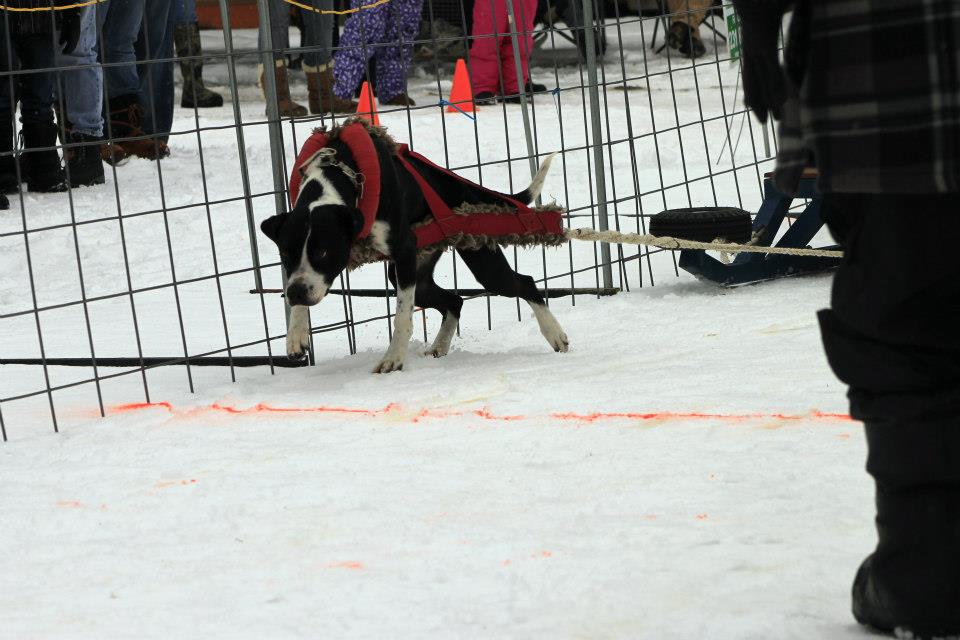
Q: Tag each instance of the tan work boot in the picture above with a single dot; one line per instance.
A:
(320, 88)
(285, 104)
(126, 119)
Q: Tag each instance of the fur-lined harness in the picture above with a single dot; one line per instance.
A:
(468, 226)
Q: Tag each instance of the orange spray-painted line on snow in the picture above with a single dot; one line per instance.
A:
(417, 415)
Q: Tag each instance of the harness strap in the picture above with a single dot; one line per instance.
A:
(528, 218)
(442, 214)
(367, 178)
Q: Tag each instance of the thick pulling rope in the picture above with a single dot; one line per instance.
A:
(75, 5)
(666, 242)
(344, 12)
(306, 7)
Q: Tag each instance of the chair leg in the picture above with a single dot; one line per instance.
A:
(714, 29)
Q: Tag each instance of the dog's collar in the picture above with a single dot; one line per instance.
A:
(327, 157)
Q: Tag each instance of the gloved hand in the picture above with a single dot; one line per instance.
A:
(69, 29)
(764, 88)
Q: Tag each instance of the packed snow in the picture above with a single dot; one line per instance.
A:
(685, 471)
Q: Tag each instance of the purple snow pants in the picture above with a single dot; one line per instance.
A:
(387, 31)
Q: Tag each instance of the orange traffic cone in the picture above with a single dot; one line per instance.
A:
(461, 94)
(367, 107)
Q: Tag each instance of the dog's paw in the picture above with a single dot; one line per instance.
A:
(558, 340)
(437, 351)
(298, 342)
(388, 364)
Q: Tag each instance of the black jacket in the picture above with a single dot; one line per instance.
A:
(878, 102)
(45, 20)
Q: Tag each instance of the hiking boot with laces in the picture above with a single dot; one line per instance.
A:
(126, 122)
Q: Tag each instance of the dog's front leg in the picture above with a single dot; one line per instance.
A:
(406, 267)
(298, 332)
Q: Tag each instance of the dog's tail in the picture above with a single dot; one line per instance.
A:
(530, 194)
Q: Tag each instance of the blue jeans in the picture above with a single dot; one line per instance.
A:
(156, 78)
(119, 22)
(186, 11)
(317, 31)
(82, 88)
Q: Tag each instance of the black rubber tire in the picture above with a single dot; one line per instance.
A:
(704, 224)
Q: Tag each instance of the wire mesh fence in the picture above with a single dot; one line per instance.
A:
(126, 291)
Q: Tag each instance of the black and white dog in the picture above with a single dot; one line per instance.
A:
(315, 241)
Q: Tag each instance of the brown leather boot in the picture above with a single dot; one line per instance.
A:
(322, 98)
(287, 107)
(126, 118)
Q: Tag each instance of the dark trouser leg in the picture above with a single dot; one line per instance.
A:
(891, 335)
(154, 44)
(9, 86)
(44, 172)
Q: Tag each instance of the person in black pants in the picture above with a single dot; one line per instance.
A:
(879, 118)
(29, 38)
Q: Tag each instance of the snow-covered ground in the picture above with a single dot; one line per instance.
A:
(686, 471)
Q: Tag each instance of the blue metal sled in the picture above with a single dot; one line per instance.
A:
(748, 268)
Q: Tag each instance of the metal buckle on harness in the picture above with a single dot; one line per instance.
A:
(327, 157)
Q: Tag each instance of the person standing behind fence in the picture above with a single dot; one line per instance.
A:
(386, 31)
(119, 26)
(154, 49)
(686, 16)
(80, 91)
(493, 71)
(870, 95)
(317, 44)
(186, 38)
(31, 39)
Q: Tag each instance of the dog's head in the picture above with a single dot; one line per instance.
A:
(315, 238)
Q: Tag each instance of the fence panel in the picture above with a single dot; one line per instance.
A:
(127, 291)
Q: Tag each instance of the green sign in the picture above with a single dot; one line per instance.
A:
(733, 32)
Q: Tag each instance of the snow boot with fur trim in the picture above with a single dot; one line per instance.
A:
(322, 99)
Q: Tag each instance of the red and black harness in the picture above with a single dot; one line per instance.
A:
(521, 225)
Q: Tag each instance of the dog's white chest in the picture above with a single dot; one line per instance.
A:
(378, 236)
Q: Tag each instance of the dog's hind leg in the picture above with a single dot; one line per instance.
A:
(431, 296)
(493, 272)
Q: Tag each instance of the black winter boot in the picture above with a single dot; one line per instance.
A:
(8, 168)
(195, 94)
(911, 583)
(84, 164)
(43, 171)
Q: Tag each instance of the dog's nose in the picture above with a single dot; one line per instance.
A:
(298, 293)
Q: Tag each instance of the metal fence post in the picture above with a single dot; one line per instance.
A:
(241, 143)
(515, 42)
(273, 124)
(589, 20)
(273, 109)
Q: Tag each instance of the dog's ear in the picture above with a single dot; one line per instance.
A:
(271, 226)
